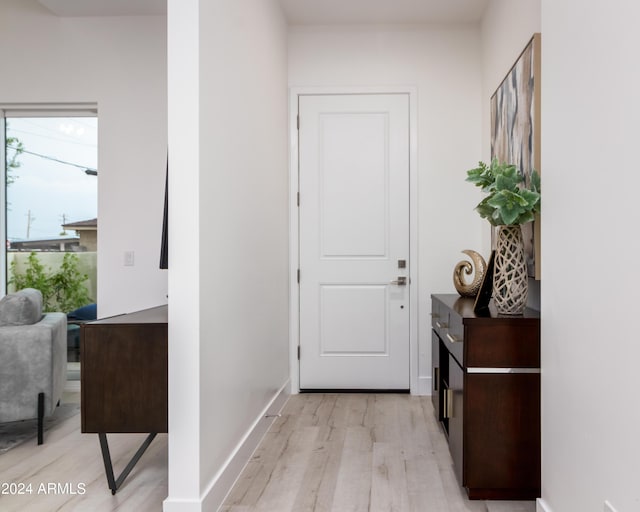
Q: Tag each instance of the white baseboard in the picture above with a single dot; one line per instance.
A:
(220, 485)
(541, 506)
(181, 506)
(425, 386)
(223, 481)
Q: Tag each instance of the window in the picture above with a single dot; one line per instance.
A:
(48, 196)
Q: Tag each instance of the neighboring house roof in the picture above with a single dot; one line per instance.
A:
(44, 239)
(43, 244)
(91, 224)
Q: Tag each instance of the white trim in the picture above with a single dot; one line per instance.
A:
(294, 240)
(171, 505)
(222, 482)
(425, 385)
(294, 311)
(503, 370)
(542, 506)
(29, 110)
(49, 109)
(3, 208)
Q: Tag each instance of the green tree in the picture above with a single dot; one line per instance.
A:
(14, 149)
(68, 285)
(33, 277)
(63, 290)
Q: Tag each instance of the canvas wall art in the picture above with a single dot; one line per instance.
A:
(515, 132)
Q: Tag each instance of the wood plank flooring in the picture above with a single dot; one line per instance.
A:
(355, 453)
(71, 458)
(327, 452)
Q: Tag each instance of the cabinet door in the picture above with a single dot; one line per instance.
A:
(124, 378)
(436, 387)
(502, 453)
(455, 412)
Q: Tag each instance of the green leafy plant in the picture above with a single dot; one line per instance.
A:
(62, 290)
(17, 148)
(508, 201)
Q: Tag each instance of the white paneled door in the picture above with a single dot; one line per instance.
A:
(354, 241)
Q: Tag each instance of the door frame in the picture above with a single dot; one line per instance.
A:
(294, 222)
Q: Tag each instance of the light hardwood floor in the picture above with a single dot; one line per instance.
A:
(326, 452)
(355, 452)
(70, 457)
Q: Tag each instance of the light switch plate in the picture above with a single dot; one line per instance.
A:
(129, 258)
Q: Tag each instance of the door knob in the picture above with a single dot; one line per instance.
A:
(401, 281)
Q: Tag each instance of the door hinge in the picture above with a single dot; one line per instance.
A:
(298, 122)
(298, 352)
(298, 199)
(298, 276)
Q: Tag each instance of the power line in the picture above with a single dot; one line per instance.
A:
(84, 167)
(48, 128)
(81, 120)
(66, 141)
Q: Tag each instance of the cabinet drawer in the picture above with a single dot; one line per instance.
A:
(504, 344)
(439, 318)
(453, 338)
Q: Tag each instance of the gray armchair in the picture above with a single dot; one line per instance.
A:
(33, 358)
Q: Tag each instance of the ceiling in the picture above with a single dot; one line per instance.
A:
(303, 12)
(106, 7)
(309, 12)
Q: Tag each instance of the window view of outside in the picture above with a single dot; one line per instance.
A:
(51, 210)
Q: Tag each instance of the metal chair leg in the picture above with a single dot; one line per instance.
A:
(40, 418)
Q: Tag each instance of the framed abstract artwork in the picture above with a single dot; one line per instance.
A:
(515, 132)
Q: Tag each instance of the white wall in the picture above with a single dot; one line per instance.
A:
(47, 59)
(183, 56)
(590, 352)
(507, 27)
(228, 328)
(443, 64)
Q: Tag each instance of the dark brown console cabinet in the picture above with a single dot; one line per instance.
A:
(124, 388)
(486, 394)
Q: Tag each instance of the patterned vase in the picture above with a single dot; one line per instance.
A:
(510, 280)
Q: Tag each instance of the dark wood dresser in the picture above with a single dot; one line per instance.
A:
(124, 374)
(486, 394)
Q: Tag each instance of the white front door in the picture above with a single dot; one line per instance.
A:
(354, 241)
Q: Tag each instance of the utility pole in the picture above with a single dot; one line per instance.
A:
(64, 221)
(30, 219)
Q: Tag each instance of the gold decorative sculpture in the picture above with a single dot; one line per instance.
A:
(478, 269)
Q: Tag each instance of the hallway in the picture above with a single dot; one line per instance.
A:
(355, 452)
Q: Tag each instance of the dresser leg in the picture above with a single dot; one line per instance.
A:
(114, 484)
(40, 418)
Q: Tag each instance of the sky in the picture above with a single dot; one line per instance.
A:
(46, 193)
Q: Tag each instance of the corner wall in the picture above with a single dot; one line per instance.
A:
(442, 63)
(507, 27)
(228, 315)
(590, 352)
(47, 59)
